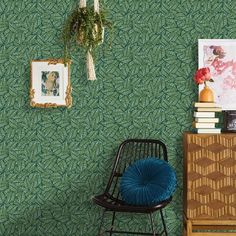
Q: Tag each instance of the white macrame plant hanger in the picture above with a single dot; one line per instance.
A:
(89, 58)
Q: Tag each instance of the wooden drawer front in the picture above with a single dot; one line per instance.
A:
(211, 176)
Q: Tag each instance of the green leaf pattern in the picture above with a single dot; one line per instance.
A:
(52, 161)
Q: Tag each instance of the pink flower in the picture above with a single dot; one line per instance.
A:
(202, 75)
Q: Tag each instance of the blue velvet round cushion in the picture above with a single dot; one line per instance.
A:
(147, 182)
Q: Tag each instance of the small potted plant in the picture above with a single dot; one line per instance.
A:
(85, 28)
(202, 76)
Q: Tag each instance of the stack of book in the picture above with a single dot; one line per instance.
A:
(205, 120)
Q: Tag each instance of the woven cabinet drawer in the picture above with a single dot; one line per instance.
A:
(210, 176)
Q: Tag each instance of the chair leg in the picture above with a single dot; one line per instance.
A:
(152, 224)
(100, 233)
(163, 222)
(112, 223)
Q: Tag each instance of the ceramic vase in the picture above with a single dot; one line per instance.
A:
(206, 95)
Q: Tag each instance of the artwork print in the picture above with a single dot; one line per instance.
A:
(50, 84)
(230, 121)
(220, 56)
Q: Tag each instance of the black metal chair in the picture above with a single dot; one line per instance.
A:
(128, 152)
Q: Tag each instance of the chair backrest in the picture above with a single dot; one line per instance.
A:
(129, 151)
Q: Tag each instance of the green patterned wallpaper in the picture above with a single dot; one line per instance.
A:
(52, 161)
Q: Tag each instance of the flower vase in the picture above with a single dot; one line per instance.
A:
(206, 95)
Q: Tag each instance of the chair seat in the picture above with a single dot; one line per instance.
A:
(113, 204)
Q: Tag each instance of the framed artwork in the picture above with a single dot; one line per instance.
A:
(229, 121)
(220, 56)
(50, 84)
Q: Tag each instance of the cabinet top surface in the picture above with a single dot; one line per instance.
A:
(223, 133)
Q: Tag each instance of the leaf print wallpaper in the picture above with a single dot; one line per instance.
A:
(52, 161)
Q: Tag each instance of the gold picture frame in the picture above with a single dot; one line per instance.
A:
(50, 85)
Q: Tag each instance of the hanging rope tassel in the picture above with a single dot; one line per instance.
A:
(91, 74)
(90, 67)
(90, 63)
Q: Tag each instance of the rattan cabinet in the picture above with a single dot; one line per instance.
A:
(209, 184)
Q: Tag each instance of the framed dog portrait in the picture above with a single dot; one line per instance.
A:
(50, 84)
(220, 56)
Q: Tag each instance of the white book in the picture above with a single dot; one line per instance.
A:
(209, 131)
(204, 114)
(205, 104)
(215, 109)
(203, 125)
(207, 120)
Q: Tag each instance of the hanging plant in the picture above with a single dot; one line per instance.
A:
(85, 28)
